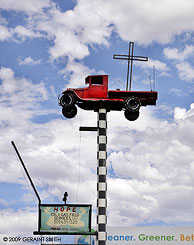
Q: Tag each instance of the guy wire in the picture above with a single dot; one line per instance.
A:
(150, 82)
(117, 80)
(154, 76)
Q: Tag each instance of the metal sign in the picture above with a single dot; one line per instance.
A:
(64, 219)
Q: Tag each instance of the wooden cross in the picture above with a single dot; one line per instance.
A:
(130, 57)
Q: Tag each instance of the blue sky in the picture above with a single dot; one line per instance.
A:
(49, 45)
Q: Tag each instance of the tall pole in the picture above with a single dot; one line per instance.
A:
(128, 67)
(101, 181)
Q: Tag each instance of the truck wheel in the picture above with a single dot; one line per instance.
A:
(131, 116)
(69, 113)
(132, 104)
(67, 100)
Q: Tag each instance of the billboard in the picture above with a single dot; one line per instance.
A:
(71, 219)
(150, 235)
(143, 235)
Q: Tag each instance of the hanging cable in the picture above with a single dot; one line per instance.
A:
(79, 168)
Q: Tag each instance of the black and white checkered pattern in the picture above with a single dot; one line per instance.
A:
(102, 173)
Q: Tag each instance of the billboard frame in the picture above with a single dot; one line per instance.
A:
(39, 232)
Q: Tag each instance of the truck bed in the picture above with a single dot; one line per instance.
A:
(146, 97)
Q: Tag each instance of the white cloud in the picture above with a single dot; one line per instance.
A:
(29, 7)
(179, 58)
(137, 160)
(185, 71)
(176, 54)
(179, 113)
(157, 66)
(20, 223)
(146, 22)
(83, 27)
(62, 46)
(3, 21)
(76, 73)
(135, 21)
(19, 102)
(28, 61)
(177, 92)
(172, 53)
(4, 33)
(4, 203)
(79, 27)
(20, 33)
(20, 90)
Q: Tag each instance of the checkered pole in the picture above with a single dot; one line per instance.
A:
(102, 172)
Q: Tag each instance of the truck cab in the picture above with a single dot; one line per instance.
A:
(98, 86)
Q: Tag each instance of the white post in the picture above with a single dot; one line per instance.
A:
(102, 174)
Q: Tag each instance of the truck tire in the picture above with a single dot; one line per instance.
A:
(70, 112)
(131, 116)
(67, 100)
(132, 104)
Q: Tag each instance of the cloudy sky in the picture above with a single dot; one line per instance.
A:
(49, 45)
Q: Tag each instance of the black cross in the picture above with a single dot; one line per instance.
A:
(130, 57)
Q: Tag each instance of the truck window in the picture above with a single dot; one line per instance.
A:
(87, 80)
(97, 80)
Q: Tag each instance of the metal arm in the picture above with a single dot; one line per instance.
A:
(26, 171)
